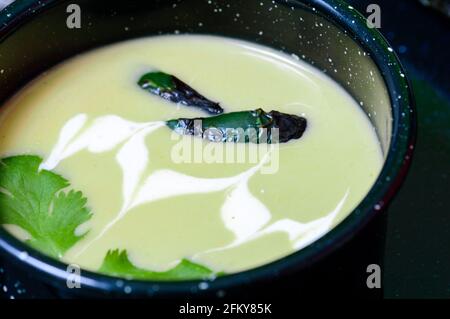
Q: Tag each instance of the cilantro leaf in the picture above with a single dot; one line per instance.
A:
(35, 200)
(116, 263)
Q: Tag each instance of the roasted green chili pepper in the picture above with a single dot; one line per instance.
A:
(243, 127)
(173, 89)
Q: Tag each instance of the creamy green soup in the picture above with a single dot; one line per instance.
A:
(160, 201)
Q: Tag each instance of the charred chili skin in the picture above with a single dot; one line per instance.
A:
(234, 127)
(171, 88)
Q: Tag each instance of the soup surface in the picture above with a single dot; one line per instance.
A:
(176, 206)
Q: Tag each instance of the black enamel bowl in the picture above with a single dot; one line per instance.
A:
(330, 35)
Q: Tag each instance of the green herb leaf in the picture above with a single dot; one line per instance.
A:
(243, 127)
(171, 88)
(116, 263)
(35, 200)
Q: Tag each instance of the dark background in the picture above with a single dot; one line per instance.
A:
(417, 252)
(415, 231)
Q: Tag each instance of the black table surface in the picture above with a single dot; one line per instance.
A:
(416, 259)
(417, 252)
